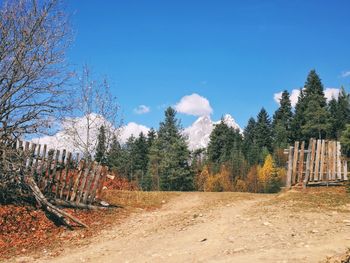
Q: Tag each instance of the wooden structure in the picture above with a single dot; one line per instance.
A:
(320, 164)
(62, 177)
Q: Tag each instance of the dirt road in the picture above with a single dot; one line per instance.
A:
(221, 227)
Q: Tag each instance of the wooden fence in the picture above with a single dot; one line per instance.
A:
(320, 164)
(60, 175)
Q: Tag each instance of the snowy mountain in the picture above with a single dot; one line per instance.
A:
(198, 134)
(72, 134)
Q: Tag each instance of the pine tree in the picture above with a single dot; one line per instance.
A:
(339, 111)
(282, 122)
(101, 148)
(116, 158)
(316, 118)
(174, 170)
(250, 147)
(345, 140)
(298, 118)
(263, 131)
(140, 158)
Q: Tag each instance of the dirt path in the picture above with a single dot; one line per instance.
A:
(214, 227)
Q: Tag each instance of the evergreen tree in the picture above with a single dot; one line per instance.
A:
(345, 140)
(101, 148)
(339, 111)
(282, 122)
(151, 136)
(263, 131)
(223, 139)
(316, 118)
(299, 118)
(116, 158)
(250, 147)
(140, 158)
(174, 170)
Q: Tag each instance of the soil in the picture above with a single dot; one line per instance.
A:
(295, 226)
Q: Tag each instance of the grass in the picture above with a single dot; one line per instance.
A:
(331, 198)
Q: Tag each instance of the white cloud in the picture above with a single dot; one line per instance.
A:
(345, 74)
(142, 109)
(132, 128)
(194, 105)
(293, 97)
(329, 93)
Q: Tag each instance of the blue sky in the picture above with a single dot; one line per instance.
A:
(237, 54)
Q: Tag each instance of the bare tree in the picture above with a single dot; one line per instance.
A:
(33, 39)
(95, 106)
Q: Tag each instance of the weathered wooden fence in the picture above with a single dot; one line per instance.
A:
(320, 164)
(62, 176)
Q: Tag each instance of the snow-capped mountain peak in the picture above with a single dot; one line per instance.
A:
(198, 134)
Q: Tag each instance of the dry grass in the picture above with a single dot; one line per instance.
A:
(138, 199)
(312, 199)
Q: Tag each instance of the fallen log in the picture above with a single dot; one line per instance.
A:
(59, 214)
(70, 204)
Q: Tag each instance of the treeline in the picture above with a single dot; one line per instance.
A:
(253, 161)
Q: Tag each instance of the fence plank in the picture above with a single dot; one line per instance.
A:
(317, 160)
(83, 182)
(334, 160)
(345, 170)
(54, 172)
(329, 161)
(91, 177)
(307, 165)
(76, 182)
(290, 167)
(301, 162)
(323, 146)
(65, 174)
(59, 174)
(338, 161)
(295, 161)
(36, 165)
(95, 185)
(312, 161)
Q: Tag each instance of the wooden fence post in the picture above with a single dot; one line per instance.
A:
(290, 167)
(308, 158)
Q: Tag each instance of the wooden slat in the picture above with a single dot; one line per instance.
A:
(312, 160)
(90, 179)
(83, 182)
(345, 170)
(101, 181)
(338, 161)
(54, 171)
(295, 161)
(59, 174)
(76, 181)
(334, 160)
(322, 160)
(65, 174)
(77, 166)
(290, 167)
(307, 165)
(301, 162)
(317, 160)
(42, 166)
(35, 166)
(329, 161)
(95, 185)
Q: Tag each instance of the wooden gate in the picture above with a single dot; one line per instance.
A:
(320, 164)
(62, 176)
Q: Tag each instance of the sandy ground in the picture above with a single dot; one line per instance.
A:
(220, 227)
